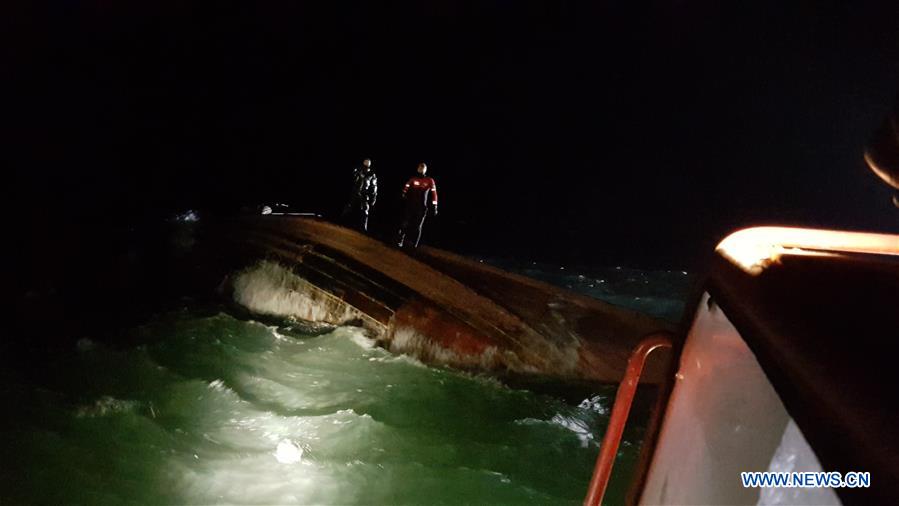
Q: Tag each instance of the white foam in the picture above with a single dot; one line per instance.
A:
(597, 404)
(357, 336)
(218, 385)
(407, 340)
(272, 289)
(575, 425)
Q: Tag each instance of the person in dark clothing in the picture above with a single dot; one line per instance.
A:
(419, 192)
(364, 196)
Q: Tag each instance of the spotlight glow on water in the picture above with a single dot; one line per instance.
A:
(288, 452)
(216, 410)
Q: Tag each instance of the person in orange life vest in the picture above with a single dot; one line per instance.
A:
(419, 192)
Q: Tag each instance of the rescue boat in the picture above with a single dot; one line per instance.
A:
(783, 367)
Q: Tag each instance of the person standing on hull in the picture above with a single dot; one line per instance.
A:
(420, 192)
(364, 196)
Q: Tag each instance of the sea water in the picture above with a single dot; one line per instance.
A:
(207, 408)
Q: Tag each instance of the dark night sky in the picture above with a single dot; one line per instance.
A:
(595, 131)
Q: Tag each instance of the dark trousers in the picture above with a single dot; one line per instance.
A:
(410, 229)
(356, 213)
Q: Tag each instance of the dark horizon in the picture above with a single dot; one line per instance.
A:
(584, 132)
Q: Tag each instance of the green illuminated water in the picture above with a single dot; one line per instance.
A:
(216, 410)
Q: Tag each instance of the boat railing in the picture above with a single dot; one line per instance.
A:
(620, 410)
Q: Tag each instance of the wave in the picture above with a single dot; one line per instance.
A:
(584, 421)
(269, 288)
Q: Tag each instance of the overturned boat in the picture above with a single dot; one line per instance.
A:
(434, 305)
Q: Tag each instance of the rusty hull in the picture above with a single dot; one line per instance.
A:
(445, 309)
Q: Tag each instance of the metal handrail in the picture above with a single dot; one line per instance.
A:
(620, 411)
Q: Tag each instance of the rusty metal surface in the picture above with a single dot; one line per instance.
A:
(445, 309)
(605, 333)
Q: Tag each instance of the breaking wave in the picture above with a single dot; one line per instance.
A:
(269, 288)
(217, 410)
